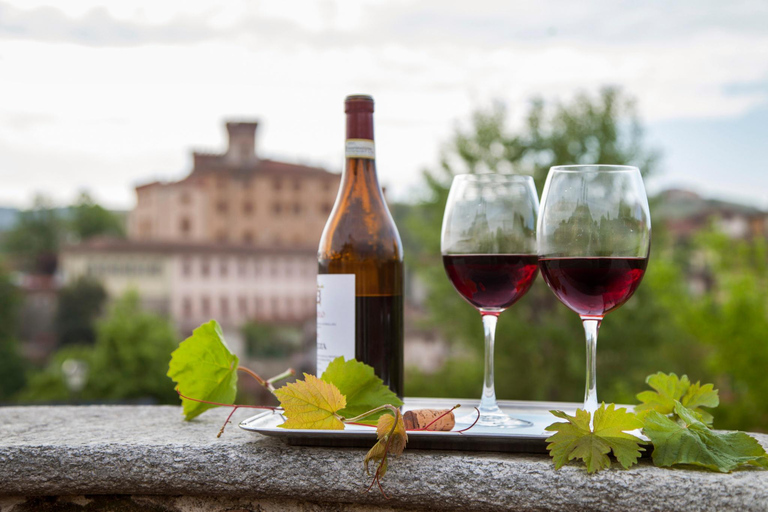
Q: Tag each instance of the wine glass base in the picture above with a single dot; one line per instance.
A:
(492, 419)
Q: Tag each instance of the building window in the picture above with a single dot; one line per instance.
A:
(327, 186)
(186, 267)
(275, 307)
(325, 208)
(221, 236)
(277, 184)
(296, 185)
(185, 226)
(289, 308)
(242, 306)
(184, 198)
(296, 208)
(223, 268)
(224, 307)
(277, 208)
(247, 207)
(273, 269)
(205, 268)
(288, 266)
(242, 268)
(221, 183)
(248, 238)
(258, 306)
(186, 308)
(257, 268)
(205, 306)
(222, 207)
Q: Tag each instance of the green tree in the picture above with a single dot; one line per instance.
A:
(80, 304)
(12, 365)
(88, 219)
(540, 343)
(128, 361)
(33, 242)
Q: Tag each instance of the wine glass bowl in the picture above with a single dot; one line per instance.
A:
(594, 239)
(488, 243)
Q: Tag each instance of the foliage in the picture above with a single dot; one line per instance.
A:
(127, 362)
(679, 436)
(363, 390)
(34, 240)
(12, 364)
(670, 390)
(131, 354)
(689, 441)
(88, 219)
(264, 341)
(577, 439)
(205, 368)
(311, 403)
(80, 304)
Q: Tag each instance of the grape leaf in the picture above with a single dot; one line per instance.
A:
(204, 368)
(690, 441)
(670, 388)
(576, 439)
(396, 444)
(311, 403)
(363, 390)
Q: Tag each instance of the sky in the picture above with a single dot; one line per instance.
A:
(103, 97)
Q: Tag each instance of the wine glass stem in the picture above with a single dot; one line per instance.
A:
(488, 401)
(591, 326)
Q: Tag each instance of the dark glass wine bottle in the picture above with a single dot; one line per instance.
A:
(360, 264)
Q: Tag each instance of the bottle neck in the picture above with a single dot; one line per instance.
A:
(360, 125)
(360, 169)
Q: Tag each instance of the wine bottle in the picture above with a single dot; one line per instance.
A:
(360, 263)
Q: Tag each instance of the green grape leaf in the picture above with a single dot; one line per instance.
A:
(670, 389)
(576, 440)
(204, 368)
(311, 403)
(690, 441)
(363, 390)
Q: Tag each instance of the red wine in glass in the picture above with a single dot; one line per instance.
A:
(593, 286)
(491, 281)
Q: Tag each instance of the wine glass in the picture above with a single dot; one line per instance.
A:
(488, 244)
(594, 238)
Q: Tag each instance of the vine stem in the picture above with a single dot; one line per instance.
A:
(234, 408)
(268, 384)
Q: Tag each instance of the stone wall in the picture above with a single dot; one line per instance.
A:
(146, 458)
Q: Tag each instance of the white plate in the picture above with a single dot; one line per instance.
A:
(529, 439)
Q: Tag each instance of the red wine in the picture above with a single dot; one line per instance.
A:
(491, 281)
(360, 264)
(593, 286)
(378, 321)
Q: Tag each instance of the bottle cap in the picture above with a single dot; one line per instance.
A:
(358, 103)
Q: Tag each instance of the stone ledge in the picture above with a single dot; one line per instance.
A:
(150, 454)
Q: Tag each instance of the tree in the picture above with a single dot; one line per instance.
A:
(12, 365)
(127, 363)
(80, 304)
(33, 242)
(88, 219)
(540, 352)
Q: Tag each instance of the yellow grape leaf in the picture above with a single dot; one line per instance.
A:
(311, 403)
(396, 443)
(399, 436)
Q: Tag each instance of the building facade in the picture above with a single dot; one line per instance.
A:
(237, 198)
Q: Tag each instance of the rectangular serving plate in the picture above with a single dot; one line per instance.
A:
(528, 439)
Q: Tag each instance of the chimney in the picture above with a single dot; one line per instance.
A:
(242, 142)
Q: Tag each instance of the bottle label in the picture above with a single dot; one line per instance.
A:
(335, 318)
(360, 148)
